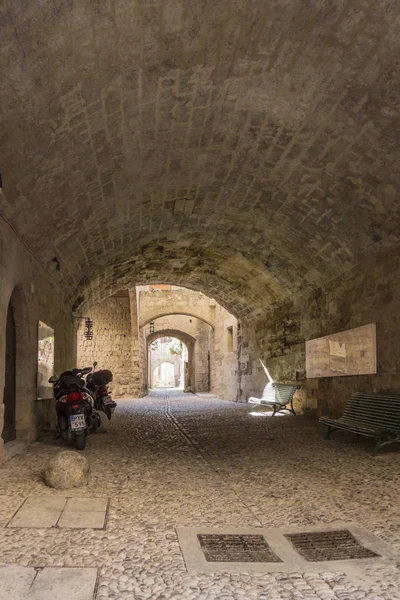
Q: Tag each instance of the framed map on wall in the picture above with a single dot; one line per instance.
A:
(351, 352)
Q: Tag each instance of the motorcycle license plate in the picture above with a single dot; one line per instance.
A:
(107, 400)
(77, 421)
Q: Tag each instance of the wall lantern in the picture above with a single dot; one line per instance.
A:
(88, 329)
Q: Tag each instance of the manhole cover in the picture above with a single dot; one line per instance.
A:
(329, 545)
(236, 548)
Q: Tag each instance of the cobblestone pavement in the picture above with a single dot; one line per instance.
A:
(176, 459)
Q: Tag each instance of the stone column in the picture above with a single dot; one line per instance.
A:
(139, 386)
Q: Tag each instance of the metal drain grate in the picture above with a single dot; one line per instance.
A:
(329, 545)
(236, 548)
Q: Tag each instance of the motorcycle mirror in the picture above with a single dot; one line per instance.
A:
(53, 379)
(95, 364)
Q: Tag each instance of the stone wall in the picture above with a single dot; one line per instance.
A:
(364, 295)
(111, 344)
(157, 303)
(143, 362)
(35, 296)
(138, 384)
(213, 365)
(197, 329)
(216, 365)
(224, 356)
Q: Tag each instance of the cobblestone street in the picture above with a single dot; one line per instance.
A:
(174, 459)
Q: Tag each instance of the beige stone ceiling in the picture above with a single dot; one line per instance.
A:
(246, 148)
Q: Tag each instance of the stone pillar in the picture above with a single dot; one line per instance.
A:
(139, 386)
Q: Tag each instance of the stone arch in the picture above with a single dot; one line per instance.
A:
(189, 342)
(23, 373)
(165, 313)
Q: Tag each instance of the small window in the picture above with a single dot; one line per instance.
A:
(229, 339)
(45, 364)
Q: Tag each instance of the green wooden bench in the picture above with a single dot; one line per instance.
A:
(373, 414)
(277, 396)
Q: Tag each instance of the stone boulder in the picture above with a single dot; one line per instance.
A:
(67, 469)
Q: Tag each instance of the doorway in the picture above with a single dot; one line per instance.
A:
(168, 361)
(9, 429)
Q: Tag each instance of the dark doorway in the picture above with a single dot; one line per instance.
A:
(9, 432)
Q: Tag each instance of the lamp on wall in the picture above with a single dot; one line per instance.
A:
(88, 329)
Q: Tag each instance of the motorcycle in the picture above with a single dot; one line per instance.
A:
(96, 382)
(76, 415)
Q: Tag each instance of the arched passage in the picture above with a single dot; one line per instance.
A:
(164, 375)
(188, 377)
(16, 398)
(9, 398)
(167, 313)
(116, 325)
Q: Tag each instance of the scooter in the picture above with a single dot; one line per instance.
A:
(96, 382)
(76, 415)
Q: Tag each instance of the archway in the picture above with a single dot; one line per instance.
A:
(168, 362)
(17, 389)
(164, 376)
(188, 375)
(9, 399)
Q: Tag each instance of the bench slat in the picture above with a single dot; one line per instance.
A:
(352, 424)
(277, 395)
(374, 414)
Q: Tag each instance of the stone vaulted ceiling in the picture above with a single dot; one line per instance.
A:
(249, 148)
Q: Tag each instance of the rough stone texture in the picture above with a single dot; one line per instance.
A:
(179, 301)
(249, 150)
(119, 345)
(195, 333)
(111, 344)
(224, 358)
(34, 296)
(138, 347)
(354, 300)
(66, 470)
(182, 461)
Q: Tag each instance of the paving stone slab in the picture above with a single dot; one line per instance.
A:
(39, 511)
(75, 513)
(15, 582)
(86, 504)
(63, 584)
(82, 519)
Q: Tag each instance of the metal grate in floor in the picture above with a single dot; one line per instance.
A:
(328, 545)
(236, 548)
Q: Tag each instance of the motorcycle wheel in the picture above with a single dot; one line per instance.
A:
(80, 441)
(64, 429)
(96, 423)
